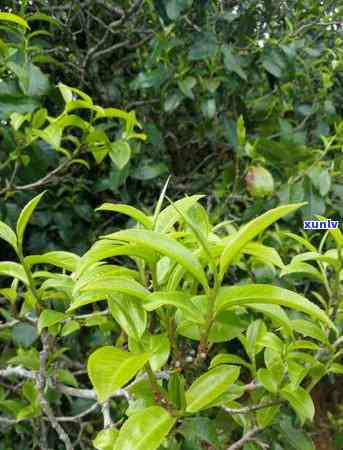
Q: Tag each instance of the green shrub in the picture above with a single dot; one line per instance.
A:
(186, 356)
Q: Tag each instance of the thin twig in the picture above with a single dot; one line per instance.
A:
(108, 422)
(78, 416)
(36, 184)
(113, 47)
(315, 23)
(41, 377)
(249, 409)
(248, 437)
(8, 324)
(18, 372)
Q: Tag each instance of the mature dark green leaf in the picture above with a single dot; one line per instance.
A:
(175, 7)
(24, 334)
(204, 46)
(232, 63)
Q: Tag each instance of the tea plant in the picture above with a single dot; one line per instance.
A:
(70, 134)
(165, 373)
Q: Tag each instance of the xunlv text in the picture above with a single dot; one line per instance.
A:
(320, 224)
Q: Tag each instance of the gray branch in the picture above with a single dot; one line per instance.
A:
(249, 409)
(248, 437)
(108, 422)
(41, 378)
(17, 372)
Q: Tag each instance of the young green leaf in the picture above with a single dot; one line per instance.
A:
(250, 231)
(309, 329)
(266, 416)
(267, 379)
(178, 299)
(106, 439)
(209, 386)
(70, 327)
(66, 377)
(271, 340)
(266, 254)
(275, 313)
(268, 294)
(336, 368)
(65, 260)
(256, 330)
(176, 390)
(110, 368)
(335, 233)
(301, 240)
(302, 268)
(14, 270)
(25, 215)
(8, 17)
(39, 16)
(129, 314)
(228, 358)
(145, 430)
(160, 202)
(130, 211)
(107, 249)
(198, 233)
(157, 345)
(8, 235)
(109, 285)
(86, 298)
(165, 246)
(48, 318)
(169, 216)
(296, 373)
(120, 153)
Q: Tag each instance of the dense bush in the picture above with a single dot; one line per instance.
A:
(219, 86)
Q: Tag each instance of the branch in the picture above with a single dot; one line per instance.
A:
(314, 23)
(36, 184)
(89, 393)
(248, 437)
(112, 8)
(94, 50)
(8, 324)
(134, 8)
(338, 342)
(41, 377)
(88, 316)
(252, 386)
(7, 421)
(18, 372)
(249, 409)
(108, 422)
(109, 49)
(78, 416)
(74, 392)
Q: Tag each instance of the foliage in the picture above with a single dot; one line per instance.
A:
(38, 149)
(168, 331)
(161, 294)
(222, 86)
(189, 69)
